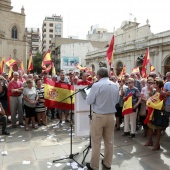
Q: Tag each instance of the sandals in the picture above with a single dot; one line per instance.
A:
(34, 127)
(26, 128)
(149, 144)
(155, 148)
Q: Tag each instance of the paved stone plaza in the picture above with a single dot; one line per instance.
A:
(36, 149)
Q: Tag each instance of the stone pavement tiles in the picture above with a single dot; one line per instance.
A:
(36, 150)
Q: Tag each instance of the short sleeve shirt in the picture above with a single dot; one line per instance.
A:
(135, 94)
(31, 95)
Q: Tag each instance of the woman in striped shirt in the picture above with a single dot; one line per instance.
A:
(40, 108)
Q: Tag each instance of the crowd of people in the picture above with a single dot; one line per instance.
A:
(22, 100)
(107, 101)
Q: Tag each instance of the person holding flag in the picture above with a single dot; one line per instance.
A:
(130, 118)
(155, 102)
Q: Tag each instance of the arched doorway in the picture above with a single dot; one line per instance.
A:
(119, 67)
(167, 65)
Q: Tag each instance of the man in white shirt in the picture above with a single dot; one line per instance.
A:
(103, 97)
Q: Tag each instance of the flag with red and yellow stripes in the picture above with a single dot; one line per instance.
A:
(10, 62)
(154, 102)
(136, 70)
(53, 69)
(127, 106)
(81, 68)
(123, 72)
(30, 63)
(55, 93)
(2, 65)
(146, 60)
(110, 51)
(152, 68)
(22, 67)
(47, 58)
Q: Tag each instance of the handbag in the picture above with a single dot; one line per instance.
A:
(160, 118)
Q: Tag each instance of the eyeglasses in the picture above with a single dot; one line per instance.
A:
(119, 81)
(128, 82)
(29, 82)
(149, 82)
(111, 79)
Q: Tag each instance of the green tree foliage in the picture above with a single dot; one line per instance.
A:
(37, 60)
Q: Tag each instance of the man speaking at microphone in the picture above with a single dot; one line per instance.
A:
(103, 97)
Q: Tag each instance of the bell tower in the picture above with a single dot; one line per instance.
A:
(5, 5)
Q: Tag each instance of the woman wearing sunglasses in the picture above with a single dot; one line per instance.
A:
(130, 119)
(146, 92)
(30, 97)
(159, 95)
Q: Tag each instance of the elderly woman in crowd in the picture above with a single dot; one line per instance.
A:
(40, 109)
(131, 118)
(30, 97)
(146, 93)
(143, 82)
(158, 85)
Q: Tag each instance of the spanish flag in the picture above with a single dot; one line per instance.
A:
(146, 60)
(152, 68)
(136, 70)
(48, 68)
(10, 62)
(154, 102)
(30, 63)
(123, 72)
(55, 93)
(110, 51)
(22, 67)
(47, 58)
(81, 68)
(127, 106)
(53, 69)
(10, 72)
(2, 65)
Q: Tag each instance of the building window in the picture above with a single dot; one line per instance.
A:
(51, 30)
(51, 25)
(14, 32)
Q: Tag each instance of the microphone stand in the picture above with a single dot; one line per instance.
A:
(71, 156)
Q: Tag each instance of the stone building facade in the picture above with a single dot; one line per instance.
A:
(12, 32)
(131, 41)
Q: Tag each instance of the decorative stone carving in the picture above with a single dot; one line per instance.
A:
(147, 22)
(2, 34)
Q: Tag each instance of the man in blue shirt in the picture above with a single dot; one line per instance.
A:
(103, 97)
